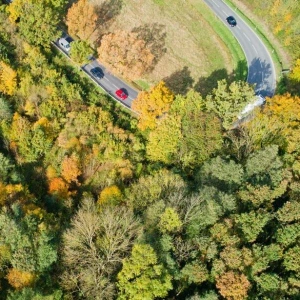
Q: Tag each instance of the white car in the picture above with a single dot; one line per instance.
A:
(64, 44)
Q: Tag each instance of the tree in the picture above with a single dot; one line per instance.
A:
(71, 168)
(233, 285)
(285, 110)
(291, 260)
(37, 20)
(152, 105)
(124, 53)
(186, 134)
(93, 248)
(252, 224)
(142, 277)
(80, 52)
(228, 100)
(82, 19)
(169, 221)
(110, 195)
(8, 79)
(164, 140)
(20, 279)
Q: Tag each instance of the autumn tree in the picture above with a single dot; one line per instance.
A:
(233, 285)
(110, 195)
(142, 277)
(124, 53)
(229, 100)
(152, 105)
(71, 168)
(186, 135)
(20, 279)
(285, 111)
(82, 19)
(8, 79)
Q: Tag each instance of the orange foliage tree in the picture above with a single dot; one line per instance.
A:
(125, 54)
(20, 279)
(8, 79)
(153, 104)
(58, 187)
(82, 19)
(70, 169)
(233, 286)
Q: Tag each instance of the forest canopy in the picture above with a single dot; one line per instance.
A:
(172, 203)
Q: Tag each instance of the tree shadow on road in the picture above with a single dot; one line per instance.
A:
(154, 36)
(180, 82)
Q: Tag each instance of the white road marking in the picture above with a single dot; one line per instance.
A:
(246, 36)
(224, 13)
(238, 26)
(254, 49)
(215, 3)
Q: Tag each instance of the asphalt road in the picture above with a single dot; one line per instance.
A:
(108, 82)
(261, 70)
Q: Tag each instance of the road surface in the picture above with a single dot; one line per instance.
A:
(108, 82)
(261, 70)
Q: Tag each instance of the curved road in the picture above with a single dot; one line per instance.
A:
(261, 70)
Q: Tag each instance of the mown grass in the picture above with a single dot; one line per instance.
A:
(258, 29)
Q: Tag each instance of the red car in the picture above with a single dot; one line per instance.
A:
(121, 94)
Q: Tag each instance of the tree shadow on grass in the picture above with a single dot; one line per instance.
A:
(206, 84)
(154, 36)
(180, 82)
(107, 13)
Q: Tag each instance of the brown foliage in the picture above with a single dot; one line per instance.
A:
(125, 54)
(20, 279)
(82, 19)
(233, 286)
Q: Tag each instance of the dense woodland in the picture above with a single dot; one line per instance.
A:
(97, 203)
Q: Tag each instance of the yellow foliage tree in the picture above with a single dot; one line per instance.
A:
(285, 110)
(82, 19)
(295, 74)
(8, 79)
(152, 105)
(110, 195)
(20, 279)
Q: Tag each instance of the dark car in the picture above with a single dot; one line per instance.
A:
(97, 72)
(231, 21)
(121, 93)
